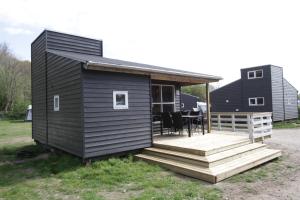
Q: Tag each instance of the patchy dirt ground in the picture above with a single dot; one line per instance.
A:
(279, 179)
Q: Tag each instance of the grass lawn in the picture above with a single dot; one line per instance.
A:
(287, 124)
(61, 176)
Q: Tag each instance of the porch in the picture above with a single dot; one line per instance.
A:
(211, 157)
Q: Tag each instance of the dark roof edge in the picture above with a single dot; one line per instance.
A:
(225, 85)
(267, 65)
(146, 69)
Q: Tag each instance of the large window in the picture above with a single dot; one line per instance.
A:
(255, 74)
(163, 98)
(256, 101)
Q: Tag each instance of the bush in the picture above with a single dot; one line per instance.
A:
(19, 111)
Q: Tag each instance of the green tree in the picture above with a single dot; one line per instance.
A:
(197, 90)
(15, 82)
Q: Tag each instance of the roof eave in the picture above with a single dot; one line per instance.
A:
(155, 74)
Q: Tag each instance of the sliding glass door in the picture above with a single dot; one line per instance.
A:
(163, 98)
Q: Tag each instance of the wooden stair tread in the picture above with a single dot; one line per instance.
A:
(244, 160)
(176, 163)
(203, 151)
(210, 158)
(177, 154)
(216, 173)
(234, 151)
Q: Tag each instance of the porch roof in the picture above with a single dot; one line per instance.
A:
(156, 73)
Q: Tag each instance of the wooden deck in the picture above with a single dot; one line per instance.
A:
(211, 157)
(202, 144)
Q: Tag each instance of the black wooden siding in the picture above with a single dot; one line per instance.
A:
(290, 101)
(231, 92)
(64, 126)
(75, 44)
(110, 131)
(259, 87)
(189, 101)
(38, 88)
(63, 78)
(277, 93)
(280, 96)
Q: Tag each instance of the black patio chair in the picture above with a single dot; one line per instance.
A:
(185, 112)
(197, 121)
(177, 122)
(167, 121)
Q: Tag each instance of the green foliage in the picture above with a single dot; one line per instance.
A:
(197, 90)
(15, 83)
(62, 176)
(287, 124)
(19, 110)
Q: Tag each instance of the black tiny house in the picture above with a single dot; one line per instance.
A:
(188, 101)
(91, 106)
(260, 89)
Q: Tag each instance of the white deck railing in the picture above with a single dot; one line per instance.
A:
(256, 124)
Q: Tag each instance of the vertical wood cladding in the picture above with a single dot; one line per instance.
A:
(38, 88)
(110, 131)
(64, 126)
(277, 93)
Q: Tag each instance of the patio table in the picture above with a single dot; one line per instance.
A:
(190, 118)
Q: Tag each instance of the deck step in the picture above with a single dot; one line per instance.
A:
(216, 173)
(205, 161)
(244, 163)
(199, 152)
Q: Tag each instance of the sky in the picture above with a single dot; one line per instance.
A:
(211, 37)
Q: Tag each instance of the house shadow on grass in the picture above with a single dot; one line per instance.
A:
(20, 164)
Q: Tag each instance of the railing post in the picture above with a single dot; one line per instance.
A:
(250, 127)
(208, 109)
(219, 122)
(233, 122)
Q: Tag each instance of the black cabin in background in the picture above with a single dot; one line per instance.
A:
(188, 101)
(260, 89)
(91, 106)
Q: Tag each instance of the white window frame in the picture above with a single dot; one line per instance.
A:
(56, 107)
(119, 107)
(161, 97)
(255, 76)
(255, 98)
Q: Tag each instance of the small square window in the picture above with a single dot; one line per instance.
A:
(252, 101)
(120, 99)
(251, 74)
(259, 74)
(255, 74)
(260, 101)
(56, 103)
(256, 101)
